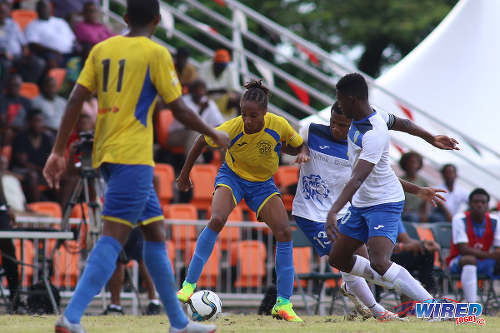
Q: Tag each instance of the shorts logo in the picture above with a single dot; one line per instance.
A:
(314, 188)
(346, 217)
(264, 147)
(380, 226)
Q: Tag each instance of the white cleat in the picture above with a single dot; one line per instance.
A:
(389, 316)
(193, 327)
(360, 307)
(64, 326)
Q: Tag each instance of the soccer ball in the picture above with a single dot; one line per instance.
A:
(204, 305)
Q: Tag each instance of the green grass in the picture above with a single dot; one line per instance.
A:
(239, 323)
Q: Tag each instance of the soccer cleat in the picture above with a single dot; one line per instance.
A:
(360, 307)
(64, 326)
(152, 309)
(193, 327)
(284, 310)
(113, 311)
(186, 291)
(389, 316)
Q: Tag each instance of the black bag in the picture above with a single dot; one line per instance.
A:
(39, 299)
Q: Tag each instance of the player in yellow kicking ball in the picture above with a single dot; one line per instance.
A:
(252, 158)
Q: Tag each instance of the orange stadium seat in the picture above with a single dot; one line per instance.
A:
(66, 265)
(211, 271)
(182, 234)
(29, 90)
(302, 262)
(426, 234)
(230, 235)
(203, 178)
(285, 176)
(59, 74)
(169, 245)
(23, 17)
(165, 119)
(166, 175)
(47, 208)
(28, 256)
(251, 256)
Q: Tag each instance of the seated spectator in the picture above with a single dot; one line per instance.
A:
(16, 200)
(415, 209)
(91, 31)
(13, 108)
(221, 78)
(198, 101)
(13, 50)
(30, 151)
(187, 72)
(51, 105)
(65, 8)
(455, 198)
(50, 37)
(475, 233)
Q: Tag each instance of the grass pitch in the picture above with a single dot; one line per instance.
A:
(241, 323)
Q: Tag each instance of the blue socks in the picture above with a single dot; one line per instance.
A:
(100, 266)
(204, 248)
(285, 272)
(156, 260)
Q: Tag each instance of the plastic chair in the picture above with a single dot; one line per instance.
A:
(23, 17)
(411, 230)
(66, 265)
(29, 90)
(203, 178)
(28, 257)
(285, 176)
(165, 119)
(251, 256)
(211, 271)
(231, 235)
(182, 234)
(426, 234)
(58, 74)
(169, 245)
(166, 175)
(302, 262)
(46, 207)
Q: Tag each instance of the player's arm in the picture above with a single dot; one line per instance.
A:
(430, 194)
(465, 249)
(293, 142)
(287, 149)
(56, 163)
(408, 126)
(183, 180)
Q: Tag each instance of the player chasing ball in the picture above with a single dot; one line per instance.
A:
(128, 72)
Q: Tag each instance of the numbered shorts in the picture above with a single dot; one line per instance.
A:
(366, 222)
(130, 197)
(315, 232)
(256, 194)
(484, 266)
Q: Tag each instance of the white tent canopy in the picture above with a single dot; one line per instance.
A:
(448, 85)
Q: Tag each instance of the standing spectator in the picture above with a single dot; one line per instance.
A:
(415, 209)
(65, 8)
(30, 151)
(50, 37)
(187, 72)
(51, 105)
(455, 198)
(13, 109)
(474, 232)
(91, 31)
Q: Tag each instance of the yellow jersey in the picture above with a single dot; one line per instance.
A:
(128, 73)
(255, 157)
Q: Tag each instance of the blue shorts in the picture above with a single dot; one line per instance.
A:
(256, 194)
(366, 222)
(484, 266)
(130, 198)
(133, 247)
(315, 232)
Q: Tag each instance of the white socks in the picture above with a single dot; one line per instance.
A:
(358, 286)
(406, 284)
(362, 268)
(469, 282)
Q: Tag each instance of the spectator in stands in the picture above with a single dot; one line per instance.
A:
(30, 150)
(50, 37)
(14, 52)
(133, 251)
(51, 105)
(221, 78)
(187, 72)
(13, 106)
(65, 8)
(16, 200)
(198, 101)
(475, 233)
(91, 31)
(415, 209)
(455, 198)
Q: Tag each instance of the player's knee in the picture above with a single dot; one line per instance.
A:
(283, 234)
(216, 223)
(380, 265)
(336, 261)
(468, 260)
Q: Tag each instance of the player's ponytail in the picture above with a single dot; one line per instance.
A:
(256, 92)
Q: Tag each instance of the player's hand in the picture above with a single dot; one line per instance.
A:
(184, 183)
(221, 139)
(331, 228)
(53, 170)
(431, 246)
(415, 247)
(432, 195)
(302, 158)
(444, 142)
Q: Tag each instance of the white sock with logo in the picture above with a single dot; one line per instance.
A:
(362, 268)
(358, 286)
(406, 284)
(469, 282)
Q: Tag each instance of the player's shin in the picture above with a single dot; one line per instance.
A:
(204, 248)
(363, 269)
(406, 284)
(284, 269)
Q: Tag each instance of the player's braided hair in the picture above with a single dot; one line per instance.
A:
(256, 92)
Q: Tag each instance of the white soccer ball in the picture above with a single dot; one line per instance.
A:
(204, 305)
